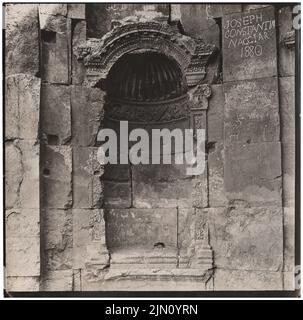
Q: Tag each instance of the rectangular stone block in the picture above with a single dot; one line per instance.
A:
(56, 177)
(216, 193)
(289, 239)
(55, 39)
(252, 111)
(88, 228)
(186, 232)
(86, 121)
(87, 186)
(22, 223)
(22, 106)
(252, 173)
(289, 174)
(57, 238)
(140, 228)
(78, 39)
(60, 280)
(76, 11)
(242, 280)
(286, 57)
(117, 172)
(218, 10)
(117, 194)
(215, 114)
(55, 114)
(245, 238)
(287, 109)
(163, 194)
(22, 256)
(21, 38)
(24, 284)
(53, 9)
(290, 282)
(249, 45)
(22, 174)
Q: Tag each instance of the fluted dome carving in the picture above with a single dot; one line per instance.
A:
(145, 76)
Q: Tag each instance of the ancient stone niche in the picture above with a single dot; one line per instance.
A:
(151, 74)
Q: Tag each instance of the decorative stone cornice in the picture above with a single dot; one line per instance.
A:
(148, 112)
(192, 55)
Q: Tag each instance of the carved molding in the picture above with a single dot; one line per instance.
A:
(148, 112)
(99, 55)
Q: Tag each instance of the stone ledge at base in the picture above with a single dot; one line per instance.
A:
(176, 274)
(150, 280)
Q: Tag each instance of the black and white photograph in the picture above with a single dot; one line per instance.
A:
(151, 148)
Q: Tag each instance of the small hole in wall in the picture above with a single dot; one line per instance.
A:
(48, 36)
(248, 141)
(159, 245)
(52, 139)
(46, 172)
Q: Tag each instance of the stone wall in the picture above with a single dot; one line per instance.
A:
(55, 227)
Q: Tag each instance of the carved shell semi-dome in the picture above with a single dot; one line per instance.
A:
(145, 76)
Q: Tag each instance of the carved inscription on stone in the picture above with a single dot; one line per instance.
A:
(249, 44)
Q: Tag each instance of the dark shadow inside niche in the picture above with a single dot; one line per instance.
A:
(145, 76)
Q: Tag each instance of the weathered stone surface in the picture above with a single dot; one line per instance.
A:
(290, 281)
(141, 228)
(252, 111)
(229, 280)
(76, 11)
(102, 17)
(55, 38)
(117, 172)
(117, 194)
(196, 20)
(289, 239)
(249, 45)
(22, 223)
(22, 174)
(186, 229)
(22, 105)
(250, 7)
(216, 191)
(218, 10)
(247, 238)
(286, 57)
(56, 114)
(162, 194)
(87, 186)
(24, 284)
(22, 256)
(86, 120)
(89, 230)
(56, 177)
(21, 37)
(252, 173)
(79, 38)
(59, 280)
(287, 109)
(58, 239)
(77, 281)
(53, 9)
(289, 174)
(215, 114)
